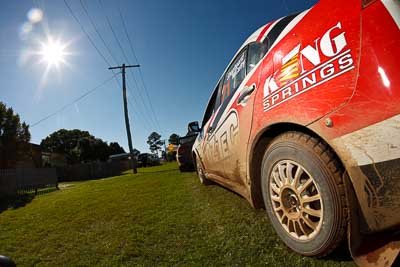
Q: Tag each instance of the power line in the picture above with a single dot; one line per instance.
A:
(140, 71)
(91, 40)
(126, 58)
(73, 102)
(130, 97)
(134, 55)
(87, 35)
(94, 45)
(149, 118)
(99, 35)
(114, 34)
(143, 119)
(99, 52)
(132, 108)
(127, 35)
(148, 99)
(97, 31)
(154, 120)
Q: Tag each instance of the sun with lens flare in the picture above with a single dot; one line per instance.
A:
(53, 52)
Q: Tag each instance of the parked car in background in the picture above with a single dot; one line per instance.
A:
(305, 121)
(184, 152)
(147, 160)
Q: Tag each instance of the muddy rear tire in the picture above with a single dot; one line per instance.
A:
(304, 193)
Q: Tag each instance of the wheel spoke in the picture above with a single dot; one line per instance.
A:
(305, 185)
(301, 227)
(281, 174)
(278, 182)
(275, 189)
(307, 199)
(276, 198)
(278, 208)
(298, 229)
(312, 212)
(297, 175)
(289, 175)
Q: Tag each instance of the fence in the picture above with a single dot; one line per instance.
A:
(13, 181)
(95, 170)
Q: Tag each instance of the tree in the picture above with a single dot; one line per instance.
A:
(115, 148)
(100, 150)
(14, 137)
(75, 144)
(79, 146)
(174, 139)
(154, 141)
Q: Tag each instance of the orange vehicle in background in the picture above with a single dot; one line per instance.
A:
(305, 122)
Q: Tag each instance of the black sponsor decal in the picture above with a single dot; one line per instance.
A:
(383, 187)
(277, 29)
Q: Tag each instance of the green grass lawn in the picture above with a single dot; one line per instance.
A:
(157, 217)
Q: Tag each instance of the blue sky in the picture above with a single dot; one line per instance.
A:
(182, 46)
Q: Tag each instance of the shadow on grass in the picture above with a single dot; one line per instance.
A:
(23, 198)
(212, 183)
(187, 169)
(15, 202)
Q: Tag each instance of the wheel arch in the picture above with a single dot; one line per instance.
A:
(256, 153)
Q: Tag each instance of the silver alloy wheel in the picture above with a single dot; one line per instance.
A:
(296, 200)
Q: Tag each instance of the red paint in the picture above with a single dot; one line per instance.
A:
(263, 31)
(373, 101)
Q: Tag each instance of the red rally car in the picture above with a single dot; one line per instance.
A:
(305, 122)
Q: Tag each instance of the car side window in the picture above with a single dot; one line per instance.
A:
(234, 76)
(218, 99)
(210, 107)
(255, 53)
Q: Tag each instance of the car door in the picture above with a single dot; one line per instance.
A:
(222, 129)
(242, 80)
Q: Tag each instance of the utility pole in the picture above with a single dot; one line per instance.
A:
(128, 129)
